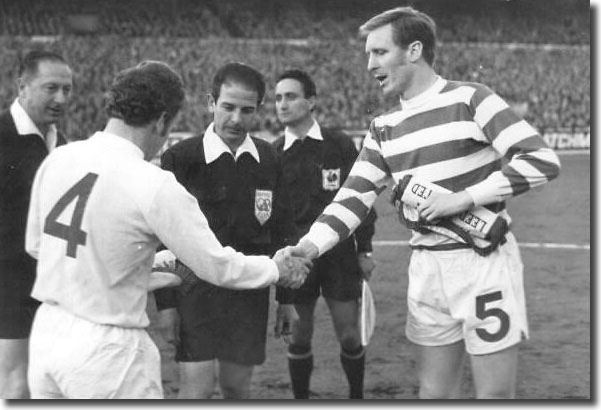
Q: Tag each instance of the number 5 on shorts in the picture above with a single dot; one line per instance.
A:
(71, 233)
(482, 313)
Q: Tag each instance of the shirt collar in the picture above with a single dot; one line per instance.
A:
(25, 125)
(110, 140)
(214, 146)
(314, 133)
(425, 96)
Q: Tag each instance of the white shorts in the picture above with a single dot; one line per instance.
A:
(458, 295)
(72, 358)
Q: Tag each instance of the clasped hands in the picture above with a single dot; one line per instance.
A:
(294, 264)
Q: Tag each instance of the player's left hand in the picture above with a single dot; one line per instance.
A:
(440, 205)
(286, 315)
(366, 264)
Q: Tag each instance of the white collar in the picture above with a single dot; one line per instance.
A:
(25, 125)
(425, 96)
(314, 132)
(214, 146)
(117, 142)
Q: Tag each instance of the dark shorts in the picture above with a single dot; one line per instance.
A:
(17, 307)
(224, 324)
(335, 275)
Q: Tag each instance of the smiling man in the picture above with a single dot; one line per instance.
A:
(238, 184)
(27, 134)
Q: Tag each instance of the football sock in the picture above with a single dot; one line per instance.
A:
(353, 363)
(300, 365)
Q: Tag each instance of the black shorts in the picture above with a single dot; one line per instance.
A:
(224, 324)
(17, 307)
(335, 275)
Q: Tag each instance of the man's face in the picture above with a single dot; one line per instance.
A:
(45, 94)
(290, 103)
(388, 62)
(234, 112)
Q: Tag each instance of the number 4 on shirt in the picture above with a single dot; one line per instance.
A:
(71, 233)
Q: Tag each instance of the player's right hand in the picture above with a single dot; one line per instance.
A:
(293, 269)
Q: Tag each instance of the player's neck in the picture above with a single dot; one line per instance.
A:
(422, 81)
(136, 135)
(301, 128)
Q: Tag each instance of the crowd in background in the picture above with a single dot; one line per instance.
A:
(549, 85)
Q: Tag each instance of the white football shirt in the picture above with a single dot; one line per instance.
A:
(98, 211)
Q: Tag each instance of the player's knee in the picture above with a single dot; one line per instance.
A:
(15, 388)
(495, 392)
(434, 391)
(350, 340)
(239, 391)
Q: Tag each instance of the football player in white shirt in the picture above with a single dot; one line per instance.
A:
(98, 212)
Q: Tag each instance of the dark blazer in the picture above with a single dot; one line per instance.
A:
(20, 157)
(306, 166)
(227, 191)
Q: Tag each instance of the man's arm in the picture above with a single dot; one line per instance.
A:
(530, 161)
(179, 224)
(351, 205)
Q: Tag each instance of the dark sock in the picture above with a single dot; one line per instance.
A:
(353, 363)
(300, 365)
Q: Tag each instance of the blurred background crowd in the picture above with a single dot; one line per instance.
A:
(534, 53)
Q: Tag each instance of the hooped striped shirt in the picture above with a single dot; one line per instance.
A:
(459, 135)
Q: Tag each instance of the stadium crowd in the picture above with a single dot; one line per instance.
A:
(524, 21)
(548, 84)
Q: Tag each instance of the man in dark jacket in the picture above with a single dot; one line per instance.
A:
(27, 134)
(315, 163)
(238, 183)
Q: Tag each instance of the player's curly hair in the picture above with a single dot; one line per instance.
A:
(143, 93)
(408, 25)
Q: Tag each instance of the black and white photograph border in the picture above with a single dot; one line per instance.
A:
(279, 353)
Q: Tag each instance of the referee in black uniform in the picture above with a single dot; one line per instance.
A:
(315, 163)
(238, 183)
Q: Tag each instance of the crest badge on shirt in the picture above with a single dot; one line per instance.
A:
(263, 205)
(330, 179)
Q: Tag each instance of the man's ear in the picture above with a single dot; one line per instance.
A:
(312, 102)
(211, 103)
(163, 125)
(415, 50)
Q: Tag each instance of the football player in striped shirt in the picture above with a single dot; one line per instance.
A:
(466, 140)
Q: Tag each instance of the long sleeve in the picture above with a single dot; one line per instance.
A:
(181, 226)
(351, 205)
(530, 162)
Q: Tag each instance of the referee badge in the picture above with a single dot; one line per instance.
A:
(263, 205)
(330, 179)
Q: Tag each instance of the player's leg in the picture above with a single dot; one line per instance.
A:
(197, 379)
(13, 368)
(341, 288)
(438, 336)
(345, 316)
(495, 374)
(496, 322)
(300, 356)
(234, 380)
(439, 370)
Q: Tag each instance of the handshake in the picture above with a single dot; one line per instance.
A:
(294, 264)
